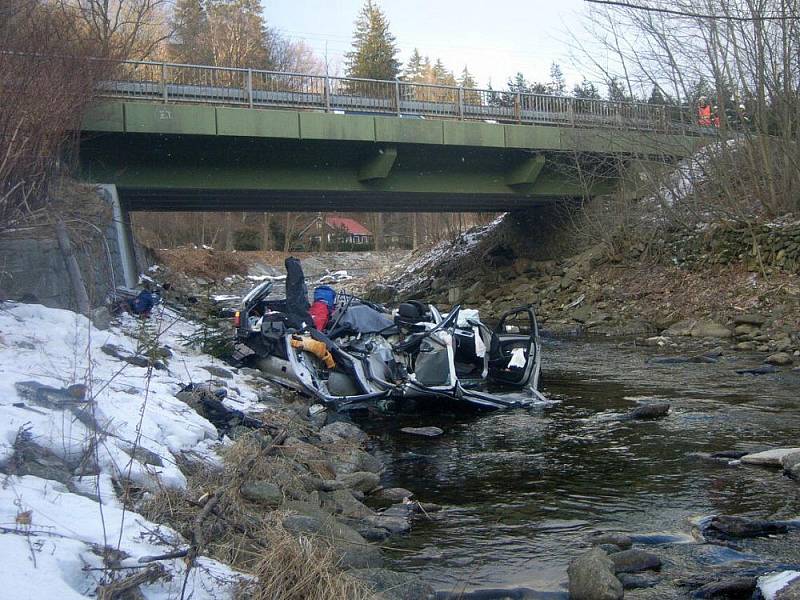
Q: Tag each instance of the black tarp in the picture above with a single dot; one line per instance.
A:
(297, 304)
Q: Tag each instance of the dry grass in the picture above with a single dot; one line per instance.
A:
(209, 264)
(251, 538)
(303, 568)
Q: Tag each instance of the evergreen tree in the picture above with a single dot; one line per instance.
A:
(190, 43)
(616, 91)
(441, 74)
(557, 84)
(656, 96)
(414, 67)
(586, 89)
(374, 53)
(518, 83)
(466, 80)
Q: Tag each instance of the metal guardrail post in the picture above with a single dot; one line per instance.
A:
(164, 82)
(518, 107)
(397, 96)
(571, 110)
(250, 87)
(461, 103)
(326, 92)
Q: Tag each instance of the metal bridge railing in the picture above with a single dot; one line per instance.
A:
(169, 82)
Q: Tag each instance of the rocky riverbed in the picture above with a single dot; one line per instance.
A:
(525, 493)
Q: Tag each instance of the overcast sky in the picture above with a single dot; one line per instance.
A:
(494, 39)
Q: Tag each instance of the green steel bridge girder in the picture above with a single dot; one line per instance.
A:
(199, 157)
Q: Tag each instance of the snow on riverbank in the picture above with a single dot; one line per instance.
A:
(55, 526)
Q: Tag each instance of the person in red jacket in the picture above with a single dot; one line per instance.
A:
(322, 307)
(703, 112)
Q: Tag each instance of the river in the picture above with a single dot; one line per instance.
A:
(521, 490)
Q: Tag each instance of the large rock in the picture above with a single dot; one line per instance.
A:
(591, 577)
(649, 411)
(394, 586)
(262, 492)
(392, 495)
(698, 328)
(345, 430)
(620, 540)
(781, 359)
(781, 585)
(735, 588)
(723, 526)
(769, 458)
(355, 460)
(363, 481)
(634, 561)
(351, 549)
(342, 502)
(423, 431)
(791, 465)
(750, 319)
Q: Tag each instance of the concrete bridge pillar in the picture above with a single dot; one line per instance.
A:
(121, 225)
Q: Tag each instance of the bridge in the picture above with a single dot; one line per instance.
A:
(191, 137)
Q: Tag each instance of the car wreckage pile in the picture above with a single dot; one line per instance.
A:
(346, 351)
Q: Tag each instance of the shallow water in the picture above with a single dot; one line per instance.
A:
(522, 489)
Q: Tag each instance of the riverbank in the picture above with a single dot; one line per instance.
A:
(703, 286)
(132, 461)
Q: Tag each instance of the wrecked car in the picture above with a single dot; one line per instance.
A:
(364, 353)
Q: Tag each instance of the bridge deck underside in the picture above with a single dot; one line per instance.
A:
(186, 172)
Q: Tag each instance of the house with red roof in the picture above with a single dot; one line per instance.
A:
(337, 231)
(351, 230)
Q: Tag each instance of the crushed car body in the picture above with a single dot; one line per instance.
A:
(363, 353)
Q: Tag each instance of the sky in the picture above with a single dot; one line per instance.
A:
(494, 39)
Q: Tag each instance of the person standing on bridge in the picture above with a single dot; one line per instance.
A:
(703, 112)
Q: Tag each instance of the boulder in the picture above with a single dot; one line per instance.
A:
(262, 492)
(734, 588)
(781, 359)
(351, 549)
(101, 318)
(591, 577)
(363, 481)
(745, 346)
(218, 371)
(791, 465)
(638, 581)
(620, 540)
(698, 328)
(649, 411)
(355, 460)
(345, 430)
(391, 524)
(342, 502)
(393, 494)
(762, 370)
(391, 585)
(750, 319)
(780, 585)
(423, 431)
(769, 458)
(635, 561)
(723, 526)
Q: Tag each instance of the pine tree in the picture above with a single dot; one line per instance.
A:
(518, 83)
(557, 84)
(190, 43)
(441, 74)
(586, 89)
(616, 91)
(466, 80)
(374, 53)
(414, 67)
(656, 96)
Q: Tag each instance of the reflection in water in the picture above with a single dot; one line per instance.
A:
(522, 489)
